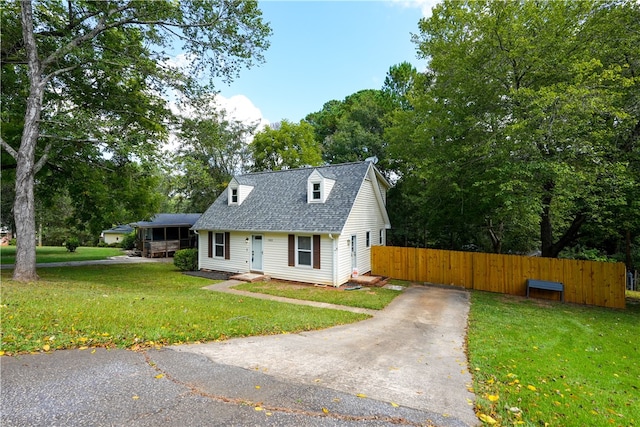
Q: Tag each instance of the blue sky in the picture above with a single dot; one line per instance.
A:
(323, 50)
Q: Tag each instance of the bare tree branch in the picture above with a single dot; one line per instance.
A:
(8, 148)
(43, 158)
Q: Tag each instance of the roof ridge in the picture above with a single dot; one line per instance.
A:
(304, 168)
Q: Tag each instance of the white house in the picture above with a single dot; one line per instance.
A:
(313, 225)
(115, 234)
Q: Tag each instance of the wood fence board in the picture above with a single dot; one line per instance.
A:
(585, 282)
(571, 277)
(618, 293)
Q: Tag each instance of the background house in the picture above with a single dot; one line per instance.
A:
(314, 225)
(165, 234)
(115, 234)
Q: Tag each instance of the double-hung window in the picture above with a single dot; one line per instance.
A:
(219, 245)
(304, 250)
(234, 196)
(316, 193)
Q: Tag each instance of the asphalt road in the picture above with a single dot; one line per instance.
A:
(405, 366)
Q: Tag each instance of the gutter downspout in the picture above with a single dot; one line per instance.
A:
(334, 266)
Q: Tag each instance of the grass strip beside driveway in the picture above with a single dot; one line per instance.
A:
(371, 298)
(137, 305)
(543, 363)
(47, 254)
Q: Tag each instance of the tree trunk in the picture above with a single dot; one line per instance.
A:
(627, 249)
(496, 237)
(551, 249)
(24, 206)
(546, 228)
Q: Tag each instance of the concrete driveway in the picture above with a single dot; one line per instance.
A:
(405, 366)
(411, 353)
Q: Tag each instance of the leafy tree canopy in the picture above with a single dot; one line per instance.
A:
(210, 148)
(285, 145)
(352, 129)
(526, 118)
(85, 79)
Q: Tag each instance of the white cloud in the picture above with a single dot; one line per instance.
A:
(182, 61)
(240, 108)
(424, 5)
(237, 107)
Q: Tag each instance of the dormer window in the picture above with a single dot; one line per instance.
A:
(237, 192)
(318, 187)
(316, 194)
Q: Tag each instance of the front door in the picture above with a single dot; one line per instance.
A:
(354, 253)
(256, 253)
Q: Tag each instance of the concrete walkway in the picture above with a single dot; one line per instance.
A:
(227, 287)
(411, 353)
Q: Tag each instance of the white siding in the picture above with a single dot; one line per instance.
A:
(276, 261)
(366, 215)
(275, 258)
(239, 251)
(113, 238)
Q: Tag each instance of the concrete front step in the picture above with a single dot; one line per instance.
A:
(366, 280)
(250, 277)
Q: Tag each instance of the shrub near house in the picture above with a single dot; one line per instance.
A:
(186, 259)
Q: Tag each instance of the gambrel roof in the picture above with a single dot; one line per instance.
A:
(278, 200)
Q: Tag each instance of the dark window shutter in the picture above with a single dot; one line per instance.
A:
(316, 251)
(227, 244)
(210, 246)
(292, 250)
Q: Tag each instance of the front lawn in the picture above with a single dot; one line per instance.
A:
(46, 254)
(138, 305)
(372, 298)
(545, 363)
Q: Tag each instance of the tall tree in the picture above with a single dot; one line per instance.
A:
(92, 74)
(399, 82)
(523, 114)
(211, 148)
(285, 145)
(352, 129)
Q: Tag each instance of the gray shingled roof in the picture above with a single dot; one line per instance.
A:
(278, 202)
(119, 229)
(169, 220)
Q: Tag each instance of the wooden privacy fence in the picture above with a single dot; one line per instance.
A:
(585, 282)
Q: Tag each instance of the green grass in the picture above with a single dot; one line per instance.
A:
(138, 305)
(46, 254)
(372, 298)
(554, 364)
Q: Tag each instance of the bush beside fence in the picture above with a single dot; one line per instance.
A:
(585, 282)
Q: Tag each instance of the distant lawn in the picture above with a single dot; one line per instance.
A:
(47, 254)
(138, 305)
(543, 363)
(372, 298)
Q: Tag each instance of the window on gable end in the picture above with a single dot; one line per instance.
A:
(234, 195)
